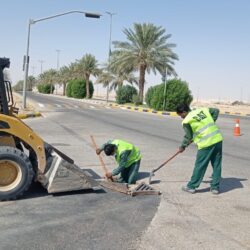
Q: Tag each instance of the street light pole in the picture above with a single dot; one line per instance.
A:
(165, 87)
(110, 40)
(31, 21)
(33, 70)
(57, 64)
(26, 66)
(41, 67)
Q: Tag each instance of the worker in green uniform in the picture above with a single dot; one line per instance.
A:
(128, 158)
(200, 128)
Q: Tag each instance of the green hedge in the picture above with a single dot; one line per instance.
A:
(77, 89)
(68, 89)
(125, 94)
(177, 91)
(45, 88)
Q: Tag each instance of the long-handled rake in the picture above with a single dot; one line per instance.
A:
(162, 165)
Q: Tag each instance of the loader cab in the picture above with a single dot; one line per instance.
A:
(6, 96)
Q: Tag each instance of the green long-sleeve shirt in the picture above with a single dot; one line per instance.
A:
(123, 159)
(188, 131)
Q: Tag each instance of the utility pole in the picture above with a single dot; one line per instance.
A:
(33, 70)
(57, 62)
(41, 62)
(110, 41)
(164, 78)
(198, 93)
(57, 67)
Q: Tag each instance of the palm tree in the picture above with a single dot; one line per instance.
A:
(116, 79)
(105, 78)
(64, 76)
(31, 83)
(86, 67)
(146, 49)
(48, 76)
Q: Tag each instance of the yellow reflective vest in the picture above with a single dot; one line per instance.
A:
(205, 131)
(122, 146)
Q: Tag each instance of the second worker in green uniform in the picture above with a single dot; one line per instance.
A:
(200, 128)
(127, 156)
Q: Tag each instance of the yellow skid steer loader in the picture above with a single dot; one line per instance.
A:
(25, 157)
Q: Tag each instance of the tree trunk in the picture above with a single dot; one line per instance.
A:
(87, 87)
(142, 71)
(64, 88)
(51, 88)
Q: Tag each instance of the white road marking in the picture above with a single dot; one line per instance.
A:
(58, 105)
(92, 107)
(41, 105)
(75, 106)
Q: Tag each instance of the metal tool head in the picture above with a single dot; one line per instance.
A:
(150, 177)
(63, 175)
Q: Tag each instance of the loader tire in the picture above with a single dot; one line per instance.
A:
(16, 173)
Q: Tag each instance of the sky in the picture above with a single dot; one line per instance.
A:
(212, 38)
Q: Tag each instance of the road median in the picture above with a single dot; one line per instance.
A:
(170, 113)
(28, 112)
(28, 115)
(141, 109)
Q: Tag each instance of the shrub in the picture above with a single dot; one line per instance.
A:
(149, 95)
(157, 98)
(45, 88)
(136, 100)
(68, 89)
(91, 89)
(177, 92)
(77, 89)
(125, 94)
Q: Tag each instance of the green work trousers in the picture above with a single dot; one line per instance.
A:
(211, 154)
(129, 175)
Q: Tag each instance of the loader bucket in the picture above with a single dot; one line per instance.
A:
(63, 175)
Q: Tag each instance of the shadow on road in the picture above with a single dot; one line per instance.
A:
(145, 175)
(226, 184)
(142, 175)
(36, 190)
(230, 183)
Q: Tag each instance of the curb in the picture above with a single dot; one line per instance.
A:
(234, 113)
(146, 110)
(28, 115)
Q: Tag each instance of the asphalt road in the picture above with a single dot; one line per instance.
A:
(78, 220)
(182, 221)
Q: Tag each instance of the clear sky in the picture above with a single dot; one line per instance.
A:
(212, 37)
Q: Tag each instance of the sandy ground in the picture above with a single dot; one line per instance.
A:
(224, 107)
(18, 103)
